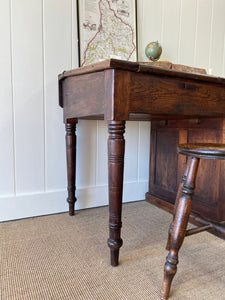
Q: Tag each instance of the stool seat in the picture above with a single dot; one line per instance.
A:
(203, 150)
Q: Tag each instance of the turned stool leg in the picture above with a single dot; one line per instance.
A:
(183, 210)
(179, 192)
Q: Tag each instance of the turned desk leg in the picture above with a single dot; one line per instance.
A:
(116, 148)
(71, 164)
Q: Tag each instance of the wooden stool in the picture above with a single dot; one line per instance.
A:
(182, 208)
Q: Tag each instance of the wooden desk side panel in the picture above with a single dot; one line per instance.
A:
(149, 94)
(122, 94)
(83, 95)
(166, 166)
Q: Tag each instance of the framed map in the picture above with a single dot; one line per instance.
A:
(107, 29)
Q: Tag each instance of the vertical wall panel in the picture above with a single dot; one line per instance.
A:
(102, 159)
(217, 41)
(187, 32)
(86, 153)
(203, 33)
(131, 152)
(149, 24)
(27, 70)
(74, 37)
(6, 109)
(57, 17)
(143, 153)
(139, 28)
(171, 29)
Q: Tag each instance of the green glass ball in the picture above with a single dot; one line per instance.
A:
(153, 51)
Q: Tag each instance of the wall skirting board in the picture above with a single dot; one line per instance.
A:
(31, 205)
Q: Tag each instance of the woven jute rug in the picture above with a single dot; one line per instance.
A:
(62, 257)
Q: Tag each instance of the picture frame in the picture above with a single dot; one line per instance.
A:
(107, 29)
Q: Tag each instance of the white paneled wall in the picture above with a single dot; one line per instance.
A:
(191, 32)
(57, 56)
(39, 41)
(27, 86)
(6, 106)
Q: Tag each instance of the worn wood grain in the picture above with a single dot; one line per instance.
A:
(118, 91)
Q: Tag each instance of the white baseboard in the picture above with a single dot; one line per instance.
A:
(31, 205)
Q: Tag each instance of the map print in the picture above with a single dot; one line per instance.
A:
(107, 30)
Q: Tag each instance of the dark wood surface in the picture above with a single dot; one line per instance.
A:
(124, 88)
(116, 148)
(119, 91)
(182, 209)
(71, 163)
(179, 224)
(209, 197)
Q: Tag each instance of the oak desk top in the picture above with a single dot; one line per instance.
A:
(120, 90)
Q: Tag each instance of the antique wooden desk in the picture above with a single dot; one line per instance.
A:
(118, 91)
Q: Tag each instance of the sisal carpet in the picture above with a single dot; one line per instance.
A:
(62, 257)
